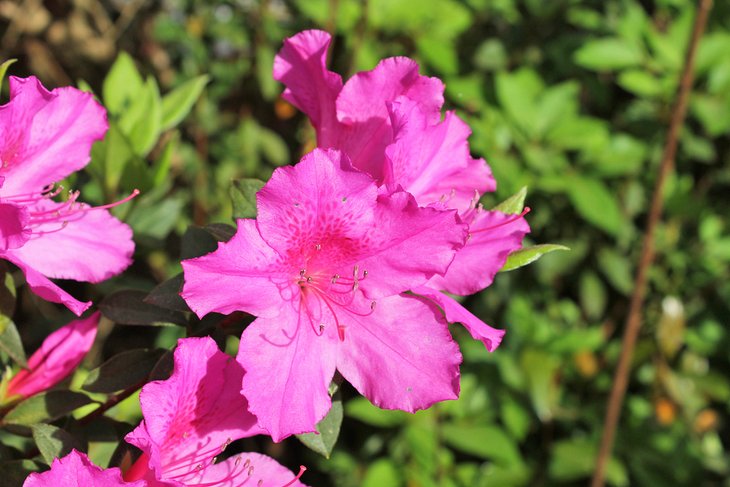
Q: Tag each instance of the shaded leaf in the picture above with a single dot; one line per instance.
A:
(8, 292)
(363, 410)
(53, 442)
(177, 103)
(527, 255)
(124, 370)
(10, 342)
(485, 441)
(167, 294)
(243, 193)
(328, 430)
(14, 472)
(46, 407)
(128, 307)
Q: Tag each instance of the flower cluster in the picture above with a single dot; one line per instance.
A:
(345, 263)
(350, 266)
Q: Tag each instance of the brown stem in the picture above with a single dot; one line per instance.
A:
(633, 320)
(110, 403)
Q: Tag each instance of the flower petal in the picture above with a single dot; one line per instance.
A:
(401, 356)
(321, 200)
(191, 417)
(310, 86)
(362, 109)
(456, 313)
(408, 245)
(288, 372)
(57, 357)
(90, 245)
(76, 470)
(14, 231)
(240, 276)
(244, 470)
(432, 161)
(46, 135)
(44, 288)
(492, 237)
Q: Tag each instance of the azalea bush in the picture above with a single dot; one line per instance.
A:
(285, 243)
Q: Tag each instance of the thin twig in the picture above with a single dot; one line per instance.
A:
(633, 320)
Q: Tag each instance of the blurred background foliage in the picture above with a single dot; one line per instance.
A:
(570, 98)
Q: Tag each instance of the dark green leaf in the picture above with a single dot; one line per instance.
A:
(8, 293)
(177, 104)
(10, 342)
(128, 307)
(53, 442)
(46, 407)
(328, 430)
(124, 370)
(527, 255)
(243, 194)
(15, 472)
(167, 295)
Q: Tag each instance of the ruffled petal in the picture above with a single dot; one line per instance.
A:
(89, 245)
(310, 86)
(408, 245)
(44, 288)
(362, 109)
(244, 274)
(46, 135)
(492, 237)
(244, 470)
(191, 417)
(432, 161)
(401, 356)
(456, 313)
(61, 352)
(76, 470)
(14, 231)
(288, 372)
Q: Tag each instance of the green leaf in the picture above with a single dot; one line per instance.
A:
(514, 204)
(53, 442)
(243, 193)
(617, 269)
(122, 371)
(527, 255)
(575, 459)
(608, 54)
(363, 410)
(10, 342)
(518, 92)
(177, 104)
(485, 441)
(46, 407)
(128, 307)
(593, 296)
(8, 292)
(382, 472)
(4, 69)
(141, 122)
(596, 204)
(122, 85)
(541, 370)
(640, 83)
(328, 430)
(155, 219)
(161, 168)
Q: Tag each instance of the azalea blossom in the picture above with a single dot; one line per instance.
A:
(323, 267)
(60, 353)
(44, 137)
(190, 418)
(389, 122)
(76, 470)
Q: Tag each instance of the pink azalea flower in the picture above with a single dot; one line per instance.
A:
(388, 121)
(61, 352)
(323, 267)
(191, 417)
(76, 470)
(44, 137)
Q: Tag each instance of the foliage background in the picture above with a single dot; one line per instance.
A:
(570, 98)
